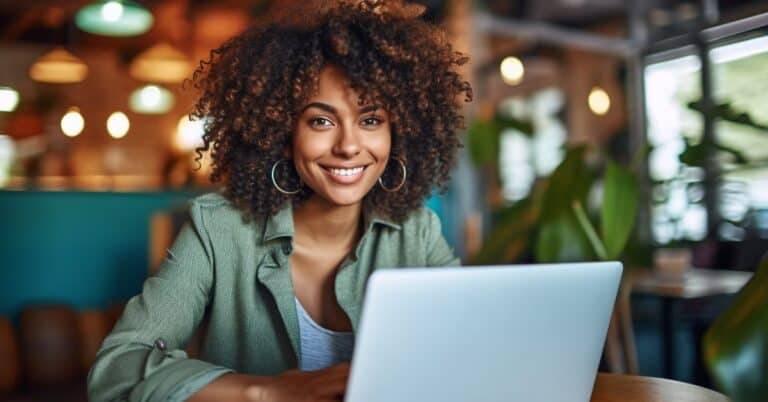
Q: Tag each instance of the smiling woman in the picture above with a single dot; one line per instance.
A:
(328, 130)
(256, 87)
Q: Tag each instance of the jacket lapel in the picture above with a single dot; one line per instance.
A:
(274, 271)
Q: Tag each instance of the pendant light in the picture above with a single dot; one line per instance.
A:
(9, 99)
(118, 125)
(58, 67)
(161, 63)
(151, 99)
(114, 18)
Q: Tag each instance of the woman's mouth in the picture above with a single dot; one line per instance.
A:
(344, 175)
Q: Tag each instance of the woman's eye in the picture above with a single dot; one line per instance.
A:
(372, 121)
(320, 121)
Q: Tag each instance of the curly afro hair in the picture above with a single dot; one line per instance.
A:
(254, 86)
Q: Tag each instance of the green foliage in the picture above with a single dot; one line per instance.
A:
(510, 236)
(726, 112)
(617, 215)
(696, 154)
(736, 346)
(553, 218)
(561, 239)
(483, 141)
(483, 137)
(570, 182)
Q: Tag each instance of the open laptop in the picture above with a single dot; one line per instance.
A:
(531, 333)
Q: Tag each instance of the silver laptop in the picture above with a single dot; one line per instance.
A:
(530, 333)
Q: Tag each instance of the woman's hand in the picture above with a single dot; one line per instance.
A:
(326, 385)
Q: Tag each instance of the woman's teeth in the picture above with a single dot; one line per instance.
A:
(346, 172)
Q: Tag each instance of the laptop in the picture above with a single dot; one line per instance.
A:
(532, 333)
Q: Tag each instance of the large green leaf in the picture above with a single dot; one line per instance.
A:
(570, 182)
(736, 346)
(511, 233)
(483, 140)
(560, 239)
(483, 136)
(619, 209)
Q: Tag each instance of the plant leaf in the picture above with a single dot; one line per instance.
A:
(483, 140)
(523, 126)
(589, 231)
(619, 208)
(511, 233)
(735, 346)
(560, 239)
(569, 182)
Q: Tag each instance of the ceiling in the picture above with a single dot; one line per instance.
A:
(51, 21)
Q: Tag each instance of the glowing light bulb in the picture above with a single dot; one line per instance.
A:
(150, 96)
(599, 101)
(9, 99)
(118, 125)
(512, 70)
(189, 134)
(111, 11)
(151, 99)
(72, 123)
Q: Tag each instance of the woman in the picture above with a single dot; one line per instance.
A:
(328, 136)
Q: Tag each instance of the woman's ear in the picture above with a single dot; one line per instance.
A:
(288, 152)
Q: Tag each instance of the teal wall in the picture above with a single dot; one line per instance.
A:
(87, 249)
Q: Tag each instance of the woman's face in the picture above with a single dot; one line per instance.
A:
(339, 147)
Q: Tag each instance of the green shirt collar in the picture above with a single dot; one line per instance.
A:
(281, 223)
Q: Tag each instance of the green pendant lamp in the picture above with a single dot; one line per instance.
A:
(114, 18)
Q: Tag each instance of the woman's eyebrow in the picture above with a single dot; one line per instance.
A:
(330, 109)
(324, 106)
(369, 108)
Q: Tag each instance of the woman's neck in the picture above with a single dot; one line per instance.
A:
(317, 222)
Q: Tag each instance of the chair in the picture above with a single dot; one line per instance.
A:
(620, 349)
(10, 369)
(50, 345)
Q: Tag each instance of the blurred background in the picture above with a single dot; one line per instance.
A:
(601, 129)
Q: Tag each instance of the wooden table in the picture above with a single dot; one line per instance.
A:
(695, 283)
(628, 388)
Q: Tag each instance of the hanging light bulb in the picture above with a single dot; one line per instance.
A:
(189, 134)
(9, 99)
(58, 67)
(111, 11)
(72, 123)
(118, 125)
(161, 63)
(599, 101)
(151, 99)
(114, 18)
(512, 70)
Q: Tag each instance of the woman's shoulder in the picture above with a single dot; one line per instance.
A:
(210, 200)
(422, 221)
(213, 209)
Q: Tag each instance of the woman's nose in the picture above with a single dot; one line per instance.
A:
(347, 143)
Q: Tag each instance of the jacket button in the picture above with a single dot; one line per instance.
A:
(160, 344)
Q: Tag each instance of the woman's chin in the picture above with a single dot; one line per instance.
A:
(342, 198)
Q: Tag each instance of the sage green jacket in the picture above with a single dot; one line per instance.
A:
(237, 275)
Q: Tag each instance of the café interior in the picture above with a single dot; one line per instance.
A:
(629, 130)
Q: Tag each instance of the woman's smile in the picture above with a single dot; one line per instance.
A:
(344, 175)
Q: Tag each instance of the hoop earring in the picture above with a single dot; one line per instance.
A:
(402, 181)
(277, 186)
